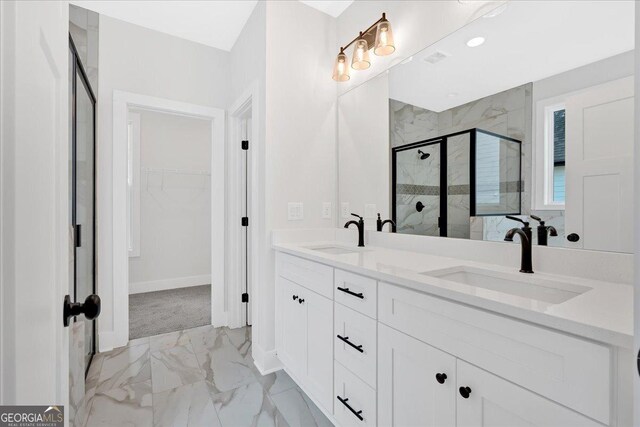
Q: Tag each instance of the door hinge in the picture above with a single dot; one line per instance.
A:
(245, 297)
(245, 221)
(245, 144)
(78, 235)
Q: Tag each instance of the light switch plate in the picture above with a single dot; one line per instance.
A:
(370, 210)
(326, 210)
(344, 210)
(295, 211)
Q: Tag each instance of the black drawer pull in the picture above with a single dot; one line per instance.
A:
(465, 392)
(347, 291)
(356, 413)
(346, 340)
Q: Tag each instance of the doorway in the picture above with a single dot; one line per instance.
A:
(245, 145)
(169, 199)
(82, 105)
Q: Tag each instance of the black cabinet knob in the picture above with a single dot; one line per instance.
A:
(295, 297)
(441, 377)
(301, 300)
(465, 392)
(90, 308)
(573, 237)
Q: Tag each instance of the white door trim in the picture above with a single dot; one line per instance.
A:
(247, 101)
(122, 102)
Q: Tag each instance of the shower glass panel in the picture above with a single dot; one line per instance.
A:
(83, 194)
(417, 176)
(497, 172)
(458, 186)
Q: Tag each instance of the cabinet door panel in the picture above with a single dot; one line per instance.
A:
(319, 331)
(494, 402)
(408, 392)
(292, 349)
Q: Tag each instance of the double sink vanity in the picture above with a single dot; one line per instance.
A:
(390, 337)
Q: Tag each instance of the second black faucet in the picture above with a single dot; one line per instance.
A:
(360, 225)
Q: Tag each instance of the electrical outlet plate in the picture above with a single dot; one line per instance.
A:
(326, 210)
(344, 210)
(295, 211)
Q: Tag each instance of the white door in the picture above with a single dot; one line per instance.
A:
(489, 401)
(409, 392)
(292, 350)
(35, 235)
(599, 167)
(319, 333)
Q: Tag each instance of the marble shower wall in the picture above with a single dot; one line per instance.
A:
(504, 113)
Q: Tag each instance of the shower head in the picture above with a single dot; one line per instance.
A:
(423, 155)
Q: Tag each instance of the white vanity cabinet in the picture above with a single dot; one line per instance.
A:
(304, 333)
(372, 353)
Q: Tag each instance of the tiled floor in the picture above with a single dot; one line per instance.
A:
(198, 377)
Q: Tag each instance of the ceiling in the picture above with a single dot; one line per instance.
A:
(213, 23)
(527, 42)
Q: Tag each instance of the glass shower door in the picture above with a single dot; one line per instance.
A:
(83, 200)
(417, 189)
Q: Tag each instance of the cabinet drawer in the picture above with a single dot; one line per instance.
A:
(355, 403)
(311, 275)
(355, 343)
(569, 370)
(357, 292)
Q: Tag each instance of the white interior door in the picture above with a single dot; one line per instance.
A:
(599, 167)
(35, 235)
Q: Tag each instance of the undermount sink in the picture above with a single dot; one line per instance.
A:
(518, 284)
(333, 250)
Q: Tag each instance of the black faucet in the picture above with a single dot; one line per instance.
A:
(525, 225)
(360, 225)
(525, 244)
(380, 223)
(544, 230)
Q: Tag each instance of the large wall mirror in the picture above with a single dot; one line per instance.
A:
(523, 114)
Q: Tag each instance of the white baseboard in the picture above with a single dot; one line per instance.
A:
(173, 283)
(105, 341)
(266, 361)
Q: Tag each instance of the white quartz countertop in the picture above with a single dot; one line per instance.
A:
(603, 313)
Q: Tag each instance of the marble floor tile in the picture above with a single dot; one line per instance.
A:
(275, 382)
(205, 338)
(298, 410)
(130, 405)
(138, 341)
(167, 341)
(186, 406)
(240, 338)
(174, 367)
(225, 368)
(124, 366)
(248, 405)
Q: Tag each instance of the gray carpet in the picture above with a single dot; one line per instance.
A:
(159, 312)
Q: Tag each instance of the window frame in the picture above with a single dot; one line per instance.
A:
(543, 164)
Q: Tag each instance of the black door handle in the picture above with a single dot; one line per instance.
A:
(90, 308)
(353, 411)
(465, 392)
(441, 377)
(347, 291)
(346, 340)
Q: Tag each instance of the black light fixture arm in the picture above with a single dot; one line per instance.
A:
(384, 18)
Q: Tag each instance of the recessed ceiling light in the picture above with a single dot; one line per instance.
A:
(475, 42)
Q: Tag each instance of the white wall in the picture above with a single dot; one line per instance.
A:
(363, 150)
(138, 60)
(636, 256)
(175, 208)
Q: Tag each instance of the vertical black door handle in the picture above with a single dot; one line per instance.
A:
(78, 235)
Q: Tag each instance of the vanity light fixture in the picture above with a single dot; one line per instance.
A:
(475, 42)
(378, 36)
